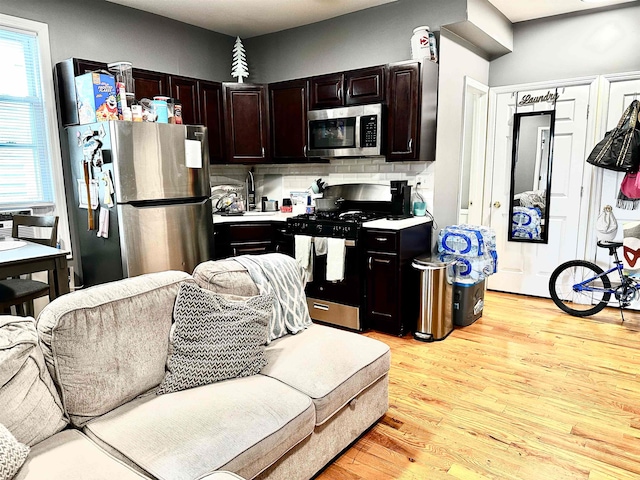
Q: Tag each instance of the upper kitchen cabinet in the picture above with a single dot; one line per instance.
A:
(403, 101)
(354, 87)
(326, 91)
(288, 115)
(85, 66)
(412, 101)
(246, 123)
(364, 86)
(149, 84)
(211, 116)
(185, 90)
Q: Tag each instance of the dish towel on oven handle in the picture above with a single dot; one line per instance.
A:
(320, 244)
(631, 248)
(303, 254)
(336, 250)
(281, 275)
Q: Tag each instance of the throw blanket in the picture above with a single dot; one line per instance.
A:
(281, 275)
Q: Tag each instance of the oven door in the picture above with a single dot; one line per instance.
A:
(331, 302)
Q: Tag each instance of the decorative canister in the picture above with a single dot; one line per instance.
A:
(160, 107)
(420, 47)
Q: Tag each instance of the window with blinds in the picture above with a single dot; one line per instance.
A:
(25, 168)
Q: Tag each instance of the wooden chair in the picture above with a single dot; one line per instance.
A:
(18, 292)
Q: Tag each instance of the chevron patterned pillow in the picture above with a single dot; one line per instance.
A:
(12, 454)
(216, 337)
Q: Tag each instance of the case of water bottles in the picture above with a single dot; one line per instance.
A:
(473, 248)
(526, 223)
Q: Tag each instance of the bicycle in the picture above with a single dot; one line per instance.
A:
(581, 288)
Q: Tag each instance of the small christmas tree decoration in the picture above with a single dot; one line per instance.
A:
(239, 65)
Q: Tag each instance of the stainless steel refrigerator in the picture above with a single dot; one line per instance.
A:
(153, 180)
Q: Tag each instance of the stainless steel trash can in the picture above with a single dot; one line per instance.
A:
(435, 319)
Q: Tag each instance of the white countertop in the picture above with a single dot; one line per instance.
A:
(384, 224)
(253, 217)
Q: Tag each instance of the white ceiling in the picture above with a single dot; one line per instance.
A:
(249, 18)
(521, 10)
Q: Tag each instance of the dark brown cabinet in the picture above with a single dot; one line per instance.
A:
(365, 86)
(412, 101)
(211, 115)
(288, 115)
(185, 91)
(148, 84)
(392, 284)
(252, 238)
(86, 66)
(353, 87)
(246, 123)
(403, 111)
(326, 91)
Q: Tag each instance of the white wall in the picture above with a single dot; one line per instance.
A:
(594, 42)
(456, 62)
(490, 20)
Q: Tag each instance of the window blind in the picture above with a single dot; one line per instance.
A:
(25, 169)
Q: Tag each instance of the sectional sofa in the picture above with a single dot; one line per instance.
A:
(79, 386)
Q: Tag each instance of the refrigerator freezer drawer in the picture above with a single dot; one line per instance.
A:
(150, 161)
(165, 237)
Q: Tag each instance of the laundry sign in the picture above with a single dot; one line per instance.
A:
(530, 99)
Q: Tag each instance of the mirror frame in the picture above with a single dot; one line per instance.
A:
(517, 120)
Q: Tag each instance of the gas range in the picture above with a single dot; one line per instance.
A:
(345, 224)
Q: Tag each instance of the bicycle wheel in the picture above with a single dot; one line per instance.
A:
(579, 303)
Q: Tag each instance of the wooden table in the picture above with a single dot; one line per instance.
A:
(34, 257)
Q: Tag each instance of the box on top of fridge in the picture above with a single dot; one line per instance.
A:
(96, 98)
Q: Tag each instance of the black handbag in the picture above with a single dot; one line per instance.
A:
(619, 150)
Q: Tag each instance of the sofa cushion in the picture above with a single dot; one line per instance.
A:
(242, 425)
(12, 454)
(215, 338)
(331, 366)
(70, 455)
(225, 277)
(284, 277)
(108, 344)
(29, 403)
(222, 476)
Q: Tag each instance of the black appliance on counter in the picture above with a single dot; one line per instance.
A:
(400, 200)
(340, 303)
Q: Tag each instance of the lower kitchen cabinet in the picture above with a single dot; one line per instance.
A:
(392, 296)
(251, 238)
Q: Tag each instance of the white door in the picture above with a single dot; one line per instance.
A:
(525, 268)
(472, 163)
(618, 92)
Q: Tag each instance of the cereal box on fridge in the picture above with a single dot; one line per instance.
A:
(96, 98)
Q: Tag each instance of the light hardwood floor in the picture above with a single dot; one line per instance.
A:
(526, 392)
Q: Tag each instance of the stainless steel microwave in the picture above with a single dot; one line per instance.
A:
(345, 132)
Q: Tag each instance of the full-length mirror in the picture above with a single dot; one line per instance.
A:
(532, 155)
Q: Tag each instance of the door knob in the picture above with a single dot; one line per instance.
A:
(496, 204)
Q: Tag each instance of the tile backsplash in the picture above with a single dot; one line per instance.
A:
(297, 177)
